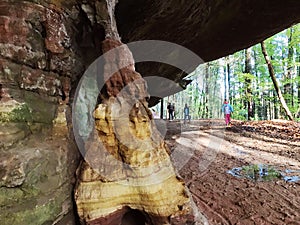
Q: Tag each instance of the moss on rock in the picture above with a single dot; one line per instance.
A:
(40, 214)
(18, 113)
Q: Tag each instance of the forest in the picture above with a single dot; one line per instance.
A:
(262, 82)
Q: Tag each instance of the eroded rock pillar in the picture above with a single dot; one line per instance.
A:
(127, 176)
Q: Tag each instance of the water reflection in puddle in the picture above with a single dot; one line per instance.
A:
(261, 172)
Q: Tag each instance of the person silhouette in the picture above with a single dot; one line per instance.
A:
(171, 109)
(186, 112)
(227, 109)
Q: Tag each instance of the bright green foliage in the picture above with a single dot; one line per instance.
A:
(226, 78)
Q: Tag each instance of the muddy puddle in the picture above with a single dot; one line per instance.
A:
(261, 172)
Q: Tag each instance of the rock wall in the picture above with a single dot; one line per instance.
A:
(37, 155)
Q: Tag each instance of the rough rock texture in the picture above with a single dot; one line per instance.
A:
(127, 166)
(37, 156)
(46, 45)
(36, 184)
(211, 28)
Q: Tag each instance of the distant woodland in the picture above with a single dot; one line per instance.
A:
(261, 82)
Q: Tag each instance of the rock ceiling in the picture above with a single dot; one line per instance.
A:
(210, 28)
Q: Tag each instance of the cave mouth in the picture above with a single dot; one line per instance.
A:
(134, 217)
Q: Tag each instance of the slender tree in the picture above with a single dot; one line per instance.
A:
(248, 84)
(297, 114)
(275, 83)
(288, 85)
(206, 110)
(227, 60)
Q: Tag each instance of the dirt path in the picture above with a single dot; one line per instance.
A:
(204, 152)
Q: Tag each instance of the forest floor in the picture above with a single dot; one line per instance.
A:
(244, 174)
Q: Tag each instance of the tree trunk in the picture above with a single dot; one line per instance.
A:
(257, 100)
(225, 82)
(276, 116)
(298, 78)
(288, 86)
(206, 89)
(162, 108)
(216, 105)
(275, 83)
(228, 78)
(297, 114)
(248, 84)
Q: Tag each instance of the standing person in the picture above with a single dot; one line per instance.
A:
(186, 112)
(173, 107)
(170, 108)
(227, 109)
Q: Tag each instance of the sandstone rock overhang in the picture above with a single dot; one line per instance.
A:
(210, 28)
